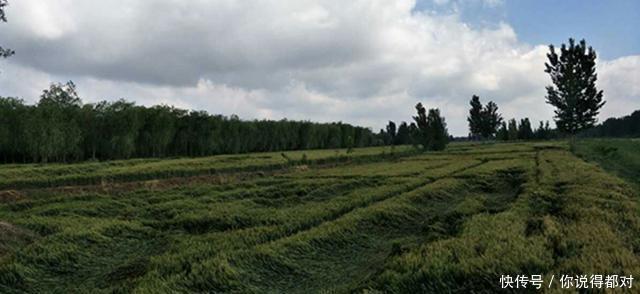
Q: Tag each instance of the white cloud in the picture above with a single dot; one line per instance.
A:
(620, 81)
(362, 61)
(43, 19)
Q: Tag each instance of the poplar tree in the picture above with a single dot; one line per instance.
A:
(421, 123)
(573, 93)
(432, 128)
(512, 130)
(483, 121)
(490, 120)
(503, 132)
(403, 135)
(475, 116)
(525, 132)
(391, 133)
(437, 134)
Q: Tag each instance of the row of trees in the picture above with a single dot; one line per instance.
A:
(486, 123)
(429, 131)
(61, 128)
(574, 95)
(627, 126)
(404, 134)
(522, 130)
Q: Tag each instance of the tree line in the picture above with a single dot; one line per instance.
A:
(574, 95)
(403, 134)
(428, 131)
(624, 127)
(61, 128)
(485, 122)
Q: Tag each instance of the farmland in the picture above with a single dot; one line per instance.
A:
(370, 219)
(618, 156)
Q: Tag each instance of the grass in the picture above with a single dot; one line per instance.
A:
(450, 221)
(618, 156)
(90, 173)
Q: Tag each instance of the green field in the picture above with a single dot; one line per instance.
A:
(367, 220)
(619, 156)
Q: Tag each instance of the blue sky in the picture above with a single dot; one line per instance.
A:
(611, 27)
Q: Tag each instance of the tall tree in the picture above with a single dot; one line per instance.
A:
(54, 131)
(490, 120)
(421, 123)
(432, 128)
(475, 117)
(92, 119)
(503, 132)
(573, 93)
(524, 129)
(403, 136)
(512, 129)
(4, 52)
(12, 117)
(391, 133)
(543, 132)
(436, 132)
(122, 121)
(414, 134)
(483, 121)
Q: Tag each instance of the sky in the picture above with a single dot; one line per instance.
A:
(360, 62)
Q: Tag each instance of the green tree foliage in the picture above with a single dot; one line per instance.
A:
(573, 93)
(483, 121)
(391, 133)
(475, 116)
(437, 134)
(53, 130)
(421, 123)
(92, 118)
(503, 132)
(12, 122)
(4, 52)
(414, 134)
(525, 132)
(61, 128)
(512, 130)
(403, 137)
(627, 126)
(491, 120)
(432, 128)
(543, 132)
(159, 129)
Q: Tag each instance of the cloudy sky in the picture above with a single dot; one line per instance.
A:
(362, 62)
